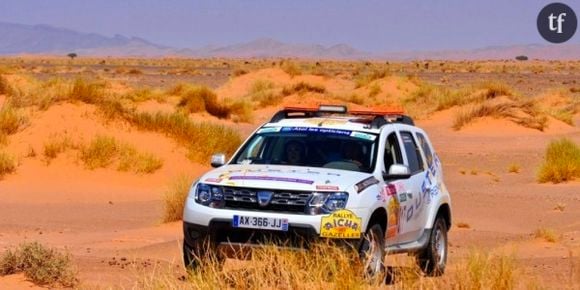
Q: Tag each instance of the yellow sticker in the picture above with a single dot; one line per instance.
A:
(342, 224)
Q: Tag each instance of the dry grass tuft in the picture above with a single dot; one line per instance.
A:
(132, 160)
(5, 88)
(43, 266)
(560, 207)
(522, 113)
(55, 146)
(301, 88)
(102, 151)
(561, 162)
(363, 79)
(199, 99)
(514, 168)
(202, 138)
(547, 235)
(484, 271)
(262, 92)
(463, 225)
(174, 199)
(291, 68)
(326, 266)
(7, 164)
(11, 120)
(87, 92)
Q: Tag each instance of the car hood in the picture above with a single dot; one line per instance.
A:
(284, 177)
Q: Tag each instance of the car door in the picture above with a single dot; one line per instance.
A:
(393, 192)
(413, 203)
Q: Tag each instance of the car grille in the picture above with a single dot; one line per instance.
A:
(282, 200)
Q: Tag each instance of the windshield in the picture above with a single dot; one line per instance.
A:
(312, 147)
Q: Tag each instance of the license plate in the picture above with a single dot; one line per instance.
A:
(262, 223)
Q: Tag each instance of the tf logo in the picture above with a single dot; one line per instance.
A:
(557, 22)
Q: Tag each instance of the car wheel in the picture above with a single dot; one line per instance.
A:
(433, 259)
(198, 254)
(372, 252)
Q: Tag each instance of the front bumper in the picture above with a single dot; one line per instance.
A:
(195, 213)
(201, 222)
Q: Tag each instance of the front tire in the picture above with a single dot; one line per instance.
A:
(372, 252)
(203, 251)
(433, 259)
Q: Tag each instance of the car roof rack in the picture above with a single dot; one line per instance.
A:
(380, 117)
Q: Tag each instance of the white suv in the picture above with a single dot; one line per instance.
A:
(370, 178)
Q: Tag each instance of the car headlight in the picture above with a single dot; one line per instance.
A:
(326, 202)
(209, 195)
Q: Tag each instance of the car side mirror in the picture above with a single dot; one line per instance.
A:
(218, 160)
(398, 171)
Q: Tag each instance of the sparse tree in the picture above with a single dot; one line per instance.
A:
(72, 55)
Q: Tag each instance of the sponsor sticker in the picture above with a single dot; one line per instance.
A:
(271, 178)
(269, 130)
(326, 187)
(316, 130)
(214, 180)
(365, 136)
(342, 224)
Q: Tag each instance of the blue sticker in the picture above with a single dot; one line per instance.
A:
(316, 130)
(236, 221)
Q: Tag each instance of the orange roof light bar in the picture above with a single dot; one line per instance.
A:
(377, 112)
(319, 108)
(342, 109)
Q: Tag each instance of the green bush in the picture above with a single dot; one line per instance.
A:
(561, 162)
(43, 266)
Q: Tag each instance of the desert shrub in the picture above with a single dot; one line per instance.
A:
(262, 92)
(291, 68)
(561, 162)
(174, 199)
(87, 92)
(144, 94)
(363, 79)
(301, 88)
(485, 271)
(11, 120)
(547, 235)
(5, 88)
(132, 160)
(42, 265)
(523, 113)
(514, 168)
(374, 90)
(239, 72)
(495, 89)
(202, 138)
(55, 146)
(135, 71)
(242, 111)
(102, 151)
(260, 86)
(7, 164)
(198, 99)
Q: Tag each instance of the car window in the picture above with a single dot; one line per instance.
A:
(426, 149)
(392, 152)
(412, 151)
(311, 147)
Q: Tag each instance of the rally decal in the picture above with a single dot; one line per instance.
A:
(342, 224)
(327, 187)
(271, 178)
(365, 183)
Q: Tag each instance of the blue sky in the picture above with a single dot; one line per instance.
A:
(375, 26)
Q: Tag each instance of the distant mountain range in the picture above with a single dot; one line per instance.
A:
(18, 39)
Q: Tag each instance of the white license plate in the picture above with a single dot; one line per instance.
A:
(262, 223)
